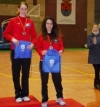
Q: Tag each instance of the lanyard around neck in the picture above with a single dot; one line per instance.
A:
(23, 26)
(49, 40)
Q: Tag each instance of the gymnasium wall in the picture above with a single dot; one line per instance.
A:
(74, 36)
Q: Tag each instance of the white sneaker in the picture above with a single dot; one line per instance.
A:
(61, 102)
(18, 100)
(26, 99)
(44, 104)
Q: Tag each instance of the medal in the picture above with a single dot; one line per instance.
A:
(23, 26)
(23, 33)
(51, 47)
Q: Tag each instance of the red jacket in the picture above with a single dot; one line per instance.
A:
(15, 29)
(45, 44)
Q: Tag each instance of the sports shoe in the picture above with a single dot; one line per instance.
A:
(26, 99)
(44, 104)
(19, 99)
(61, 102)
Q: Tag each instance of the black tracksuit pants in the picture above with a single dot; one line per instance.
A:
(97, 70)
(56, 78)
(21, 86)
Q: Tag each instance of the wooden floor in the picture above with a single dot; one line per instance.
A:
(77, 78)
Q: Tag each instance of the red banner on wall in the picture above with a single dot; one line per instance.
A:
(66, 11)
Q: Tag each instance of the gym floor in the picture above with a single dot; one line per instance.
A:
(77, 78)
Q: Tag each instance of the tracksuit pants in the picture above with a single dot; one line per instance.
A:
(56, 78)
(20, 75)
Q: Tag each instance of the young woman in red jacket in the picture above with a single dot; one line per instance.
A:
(50, 38)
(21, 28)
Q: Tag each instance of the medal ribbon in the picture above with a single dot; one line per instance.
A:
(51, 47)
(23, 26)
(49, 40)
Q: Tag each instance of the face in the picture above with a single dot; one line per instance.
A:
(22, 10)
(95, 28)
(49, 25)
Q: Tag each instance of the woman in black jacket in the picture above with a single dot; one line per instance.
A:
(93, 43)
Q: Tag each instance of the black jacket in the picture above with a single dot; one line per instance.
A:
(94, 49)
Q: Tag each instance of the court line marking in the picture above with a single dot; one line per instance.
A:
(51, 80)
(81, 72)
(5, 75)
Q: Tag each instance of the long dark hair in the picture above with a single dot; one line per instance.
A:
(55, 33)
(21, 3)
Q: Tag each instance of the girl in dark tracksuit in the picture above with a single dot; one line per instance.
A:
(50, 38)
(21, 28)
(93, 43)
